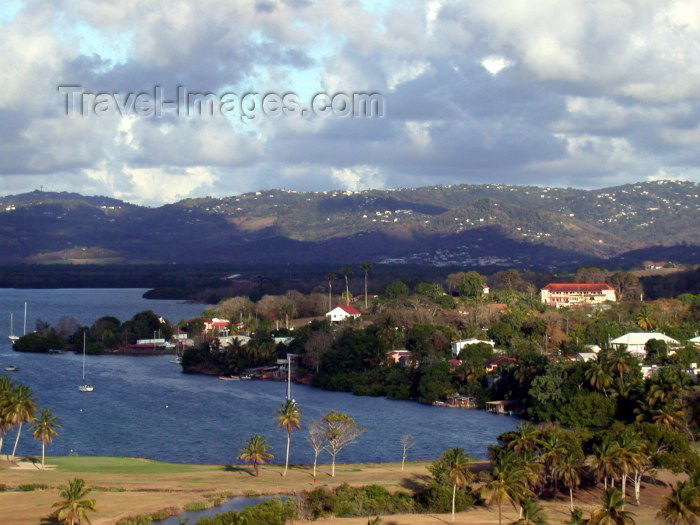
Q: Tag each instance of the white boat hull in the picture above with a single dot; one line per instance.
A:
(86, 388)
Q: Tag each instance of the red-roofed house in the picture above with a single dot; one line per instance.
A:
(341, 313)
(217, 326)
(569, 294)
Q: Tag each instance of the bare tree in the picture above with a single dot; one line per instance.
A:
(340, 431)
(316, 348)
(407, 443)
(317, 438)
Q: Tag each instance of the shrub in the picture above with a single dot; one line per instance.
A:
(272, 512)
(438, 498)
(195, 506)
(29, 487)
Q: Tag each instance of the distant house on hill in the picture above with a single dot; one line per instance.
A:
(341, 313)
(651, 265)
(217, 326)
(496, 364)
(571, 294)
(636, 342)
(458, 346)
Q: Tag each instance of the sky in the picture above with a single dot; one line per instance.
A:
(558, 93)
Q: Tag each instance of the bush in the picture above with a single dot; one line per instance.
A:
(349, 502)
(438, 498)
(272, 512)
(195, 506)
(29, 487)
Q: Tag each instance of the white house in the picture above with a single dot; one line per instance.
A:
(694, 341)
(592, 348)
(458, 346)
(341, 313)
(636, 342)
(584, 357)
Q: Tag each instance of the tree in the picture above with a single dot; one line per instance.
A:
(532, 513)
(289, 417)
(288, 310)
(570, 473)
(620, 361)
(73, 506)
(682, 506)
(317, 437)
(459, 474)
(645, 320)
(6, 389)
(331, 278)
(576, 518)
(506, 486)
(598, 375)
(527, 439)
(407, 443)
(256, 451)
(20, 409)
(340, 431)
(45, 429)
(471, 285)
(604, 461)
(346, 271)
(316, 347)
(611, 513)
(397, 290)
(366, 267)
(627, 285)
(590, 275)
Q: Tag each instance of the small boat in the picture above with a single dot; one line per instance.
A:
(55, 351)
(177, 360)
(12, 368)
(230, 378)
(247, 377)
(85, 387)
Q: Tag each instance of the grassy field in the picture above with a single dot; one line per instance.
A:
(128, 486)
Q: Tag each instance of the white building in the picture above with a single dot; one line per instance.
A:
(584, 357)
(341, 313)
(694, 341)
(458, 346)
(636, 342)
(572, 294)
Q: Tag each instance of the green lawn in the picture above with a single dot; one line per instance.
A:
(121, 465)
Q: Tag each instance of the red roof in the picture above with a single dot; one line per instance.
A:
(578, 287)
(350, 310)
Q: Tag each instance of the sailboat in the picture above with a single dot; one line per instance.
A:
(85, 387)
(13, 338)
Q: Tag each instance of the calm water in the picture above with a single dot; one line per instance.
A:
(145, 407)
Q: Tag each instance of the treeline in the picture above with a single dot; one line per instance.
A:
(106, 333)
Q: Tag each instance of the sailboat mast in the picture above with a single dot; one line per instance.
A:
(25, 318)
(12, 322)
(83, 356)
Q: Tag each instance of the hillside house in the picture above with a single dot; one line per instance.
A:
(496, 364)
(399, 357)
(458, 346)
(636, 342)
(572, 294)
(342, 313)
(217, 327)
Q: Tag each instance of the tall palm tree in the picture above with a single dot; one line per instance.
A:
(45, 429)
(682, 506)
(366, 267)
(331, 278)
(576, 518)
(598, 375)
(629, 455)
(289, 417)
(553, 455)
(288, 310)
(620, 361)
(611, 512)
(346, 271)
(671, 416)
(570, 473)
(256, 451)
(73, 506)
(459, 475)
(20, 409)
(533, 513)
(604, 461)
(506, 486)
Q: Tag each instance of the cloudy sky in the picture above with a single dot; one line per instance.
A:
(565, 93)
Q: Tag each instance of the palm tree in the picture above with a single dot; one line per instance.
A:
(288, 310)
(570, 473)
(256, 451)
(604, 461)
(611, 513)
(45, 429)
(506, 486)
(73, 506)
(346, 271)
(628, 456)
(526, 440)
(6, 388)
(682, 506)
(621, 362)
(645, 321)
(459, 475)
(331, 278)
(552, 457)
(576, 518)
(532, 513)
(671, 416)
(20, 409)
(289, 417)
(366, 267)
(598, 375)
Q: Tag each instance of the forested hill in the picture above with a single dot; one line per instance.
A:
(476, 225)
